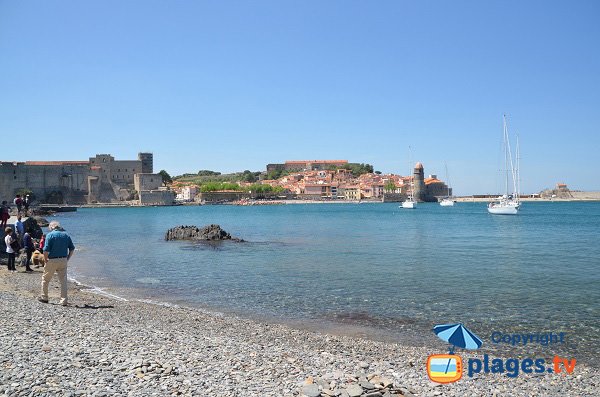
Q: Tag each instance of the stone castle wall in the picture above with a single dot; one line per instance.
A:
(147, 181)
(100, 179)
(43, 180)
(156, 197)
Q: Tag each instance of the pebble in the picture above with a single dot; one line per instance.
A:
(139, 349)
(311, 390)
(354, 390)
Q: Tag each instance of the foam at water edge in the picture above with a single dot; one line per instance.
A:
(96, 290)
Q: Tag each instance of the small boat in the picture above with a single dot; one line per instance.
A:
(447, 201)
(409, 204)
(508, 204)
(505, 205)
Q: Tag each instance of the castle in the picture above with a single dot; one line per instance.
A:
(101, 179)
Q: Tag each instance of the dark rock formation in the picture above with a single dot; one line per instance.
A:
(43, 222)
(33, 228)
(206, 233)
(43, 211)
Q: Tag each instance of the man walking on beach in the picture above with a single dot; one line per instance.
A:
(58, 249)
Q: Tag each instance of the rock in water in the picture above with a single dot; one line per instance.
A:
(206, 233)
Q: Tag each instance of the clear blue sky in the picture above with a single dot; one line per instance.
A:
(233, 85)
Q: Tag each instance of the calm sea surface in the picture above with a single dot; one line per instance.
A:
(368, 269)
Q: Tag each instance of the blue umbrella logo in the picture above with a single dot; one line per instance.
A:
(458, 336)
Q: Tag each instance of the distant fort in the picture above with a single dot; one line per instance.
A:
(300, 165)
(101, 179)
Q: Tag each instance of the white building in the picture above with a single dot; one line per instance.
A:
(188, 193)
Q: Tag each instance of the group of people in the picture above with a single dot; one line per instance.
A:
(22, 204)
(18, 239)
(53, 251)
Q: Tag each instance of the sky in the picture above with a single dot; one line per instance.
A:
(234, 85)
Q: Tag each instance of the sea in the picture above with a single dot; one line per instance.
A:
(371, 270)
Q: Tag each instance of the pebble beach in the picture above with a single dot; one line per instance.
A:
(98, 346)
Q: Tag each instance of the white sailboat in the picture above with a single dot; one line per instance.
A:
(447, 201)
(508, 204)
(410, 202)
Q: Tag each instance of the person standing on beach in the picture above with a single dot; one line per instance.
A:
(29, 248)
(42, 242)
(4, 214)
(10, 242)
(19, 203)
(26, 203)
(58, 249)
(19, 228)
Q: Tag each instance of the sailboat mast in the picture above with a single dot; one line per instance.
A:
(447, 178)
(518, 170)
(509, 161)
(411, 177)
(505, 147)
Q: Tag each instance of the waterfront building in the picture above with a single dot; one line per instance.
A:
(436, 188)
(100, 179)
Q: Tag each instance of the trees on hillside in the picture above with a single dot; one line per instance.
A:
(166, 178)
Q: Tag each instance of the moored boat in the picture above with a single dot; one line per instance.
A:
(508, 204)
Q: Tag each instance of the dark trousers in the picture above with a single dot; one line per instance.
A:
(11, 261)
(29, 253)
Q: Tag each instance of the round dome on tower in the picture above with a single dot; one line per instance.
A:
(419, 166)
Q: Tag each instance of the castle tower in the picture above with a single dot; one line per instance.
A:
(147, 160)
(419, 182)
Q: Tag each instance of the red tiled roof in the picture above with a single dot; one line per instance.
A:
(429, 181)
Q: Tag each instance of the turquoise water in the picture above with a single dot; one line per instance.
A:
(375, 268)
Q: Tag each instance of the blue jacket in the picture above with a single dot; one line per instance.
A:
(19, 227)
(28, 242)
(58, 244)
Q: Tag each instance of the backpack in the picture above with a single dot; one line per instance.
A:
(15, 244)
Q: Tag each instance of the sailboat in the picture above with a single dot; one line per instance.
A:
(508, 204)
(410, 202)
(447, 201)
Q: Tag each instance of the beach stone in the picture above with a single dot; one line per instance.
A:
(354, 390)
(311, 390)
(367, 385)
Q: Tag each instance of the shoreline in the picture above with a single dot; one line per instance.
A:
(96, 344)
(462, 199)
